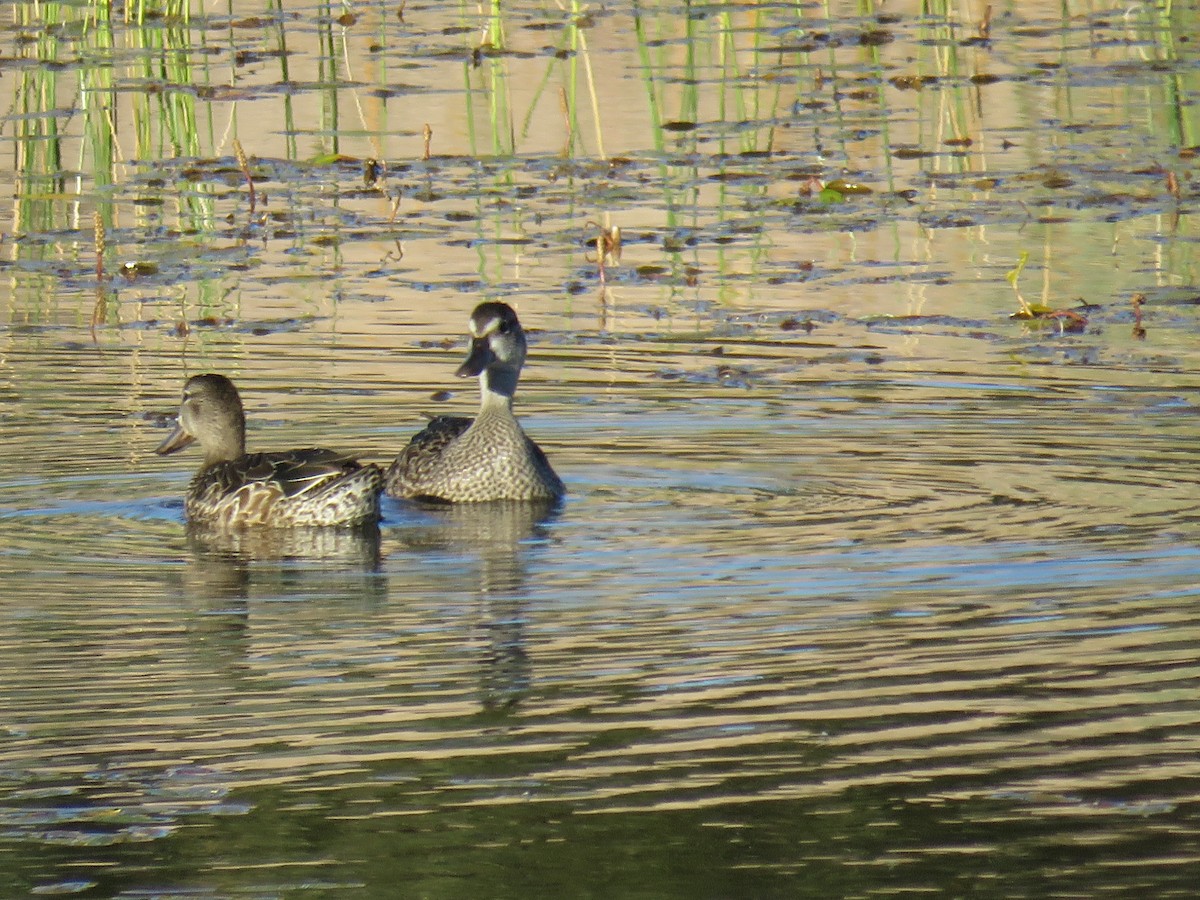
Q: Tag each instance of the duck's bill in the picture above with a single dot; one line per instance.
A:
(479, 359)
(177, 441)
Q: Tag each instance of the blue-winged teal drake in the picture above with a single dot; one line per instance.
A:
(234, 488)
(461, 460)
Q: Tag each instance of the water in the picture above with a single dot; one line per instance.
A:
(862, 587)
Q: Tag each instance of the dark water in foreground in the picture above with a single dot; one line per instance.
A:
(862, 587)
(826, 645)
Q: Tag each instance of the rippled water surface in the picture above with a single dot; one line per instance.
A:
(862, 587)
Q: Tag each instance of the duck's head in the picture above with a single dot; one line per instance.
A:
(497, 348)
(211, 413)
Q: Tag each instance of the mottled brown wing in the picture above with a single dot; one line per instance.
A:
(295, 472)
(417, 461)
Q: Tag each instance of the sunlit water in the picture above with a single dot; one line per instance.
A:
(861, 587)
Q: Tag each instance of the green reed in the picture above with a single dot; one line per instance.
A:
(165, 118)
(484, 62)
(328, 74)
(579, 47)
(490, 59)
(751, 100)
(577, 35)
(289, 118)
(39, 142)
(488, 84)
(572, 44)
(90, 63)
(653, 102)
(719, 77)
(485, 75)
(831, 74)
(1171, 108)
(1180, 81)
(943, 113)
(97, 100)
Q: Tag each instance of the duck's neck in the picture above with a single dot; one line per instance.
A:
(226, 448)
(496, 389)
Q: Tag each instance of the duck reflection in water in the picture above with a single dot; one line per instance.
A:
(227, 569)
(500, 536)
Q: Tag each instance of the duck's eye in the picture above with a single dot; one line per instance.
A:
(503, 327)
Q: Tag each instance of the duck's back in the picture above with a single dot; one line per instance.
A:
(461, 460)
(294, 487)
(419, 470)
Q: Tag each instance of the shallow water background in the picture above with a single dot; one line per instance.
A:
(863, 587)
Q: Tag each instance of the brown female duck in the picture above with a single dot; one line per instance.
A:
(234, 488)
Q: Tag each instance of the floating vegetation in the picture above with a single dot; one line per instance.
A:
(725, 143)
(608, 247)
(1064, 319)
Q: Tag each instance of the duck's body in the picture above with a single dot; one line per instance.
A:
(462, 460)
(292, 487)
(236, 489)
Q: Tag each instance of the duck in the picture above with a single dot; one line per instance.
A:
(235, 489)
(457, 459)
